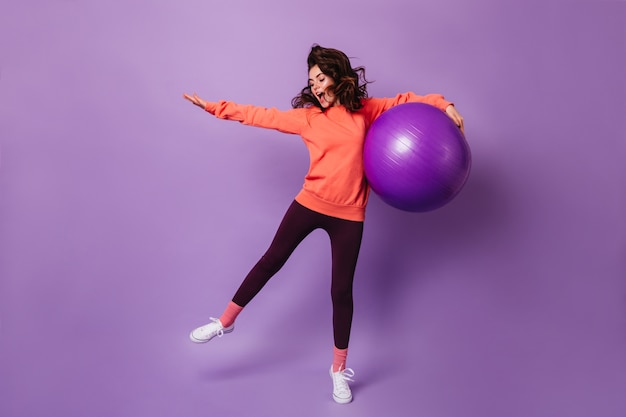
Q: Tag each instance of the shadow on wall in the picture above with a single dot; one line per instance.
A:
(401, 248)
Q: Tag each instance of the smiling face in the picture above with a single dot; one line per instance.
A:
(320, 83)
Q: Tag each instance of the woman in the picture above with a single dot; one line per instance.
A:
(332, 115)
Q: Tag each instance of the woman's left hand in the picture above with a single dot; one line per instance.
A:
(456, 117)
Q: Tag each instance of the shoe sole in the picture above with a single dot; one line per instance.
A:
(342, 400)
(193, 339)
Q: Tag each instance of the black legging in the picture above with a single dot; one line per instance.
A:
(345, 239)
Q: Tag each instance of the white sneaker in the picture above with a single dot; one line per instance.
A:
(341, 389)
(207, 332)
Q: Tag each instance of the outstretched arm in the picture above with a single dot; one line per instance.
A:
(291, 121)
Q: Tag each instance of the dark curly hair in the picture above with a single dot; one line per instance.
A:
(350, 84)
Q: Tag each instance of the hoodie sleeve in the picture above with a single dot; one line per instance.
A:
(374, 107)
(290, 121)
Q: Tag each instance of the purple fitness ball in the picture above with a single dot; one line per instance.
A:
(416, 159)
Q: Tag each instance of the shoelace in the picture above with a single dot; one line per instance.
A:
(348, 374)
(340, 379)
(220, 332)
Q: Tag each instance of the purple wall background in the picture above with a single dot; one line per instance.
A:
(127, 216)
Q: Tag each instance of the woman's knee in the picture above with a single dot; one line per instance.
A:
(341, 294)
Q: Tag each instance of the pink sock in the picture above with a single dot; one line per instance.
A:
(230, 314)
(339, 359)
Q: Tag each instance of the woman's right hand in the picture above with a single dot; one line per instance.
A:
(195, 100)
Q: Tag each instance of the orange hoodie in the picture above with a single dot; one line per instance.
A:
(335, 184)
